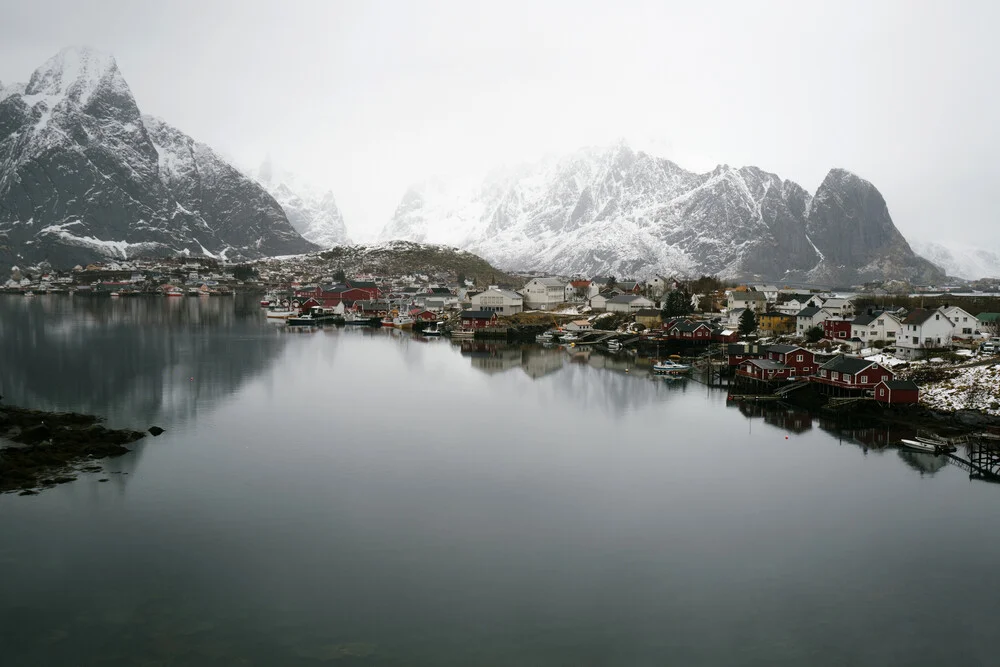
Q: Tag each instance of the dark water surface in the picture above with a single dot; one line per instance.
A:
(363, 497)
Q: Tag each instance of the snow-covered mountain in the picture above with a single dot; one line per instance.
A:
(83, 175)
(312, 210)
(621, 212)
(959, 260)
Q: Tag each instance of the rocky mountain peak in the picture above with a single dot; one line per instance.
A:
(73, 74)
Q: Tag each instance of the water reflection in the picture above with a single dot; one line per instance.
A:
(137, 360)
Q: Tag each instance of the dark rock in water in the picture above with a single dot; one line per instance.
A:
(35, 434)
(28, 492)
(155, 431)
(103, 480)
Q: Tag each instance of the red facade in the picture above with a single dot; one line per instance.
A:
(802, 362)
(897, 393)
(764, 369)
(864, 378)
(478, 321)
(837, 329)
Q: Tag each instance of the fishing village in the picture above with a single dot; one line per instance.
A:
(925, 365)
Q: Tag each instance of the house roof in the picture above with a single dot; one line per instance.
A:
(626, 298)
(549, 282)
(581, 323)
(988, 317)
(766, 364)
(510, 294)
(477, 314)
(783, 349)
(780, 316)
(865, 319)
(919, 316)
(579, 283)
(688, 325)
(901, 385)
(749, 296)
(808, 312)
(850, 365)
(745, 348)
(361, 283)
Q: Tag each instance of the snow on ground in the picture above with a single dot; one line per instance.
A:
(975, 388)
(886, 360)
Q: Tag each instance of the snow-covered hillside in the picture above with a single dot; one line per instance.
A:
(618, 211)
(311, 209)
(959, 260)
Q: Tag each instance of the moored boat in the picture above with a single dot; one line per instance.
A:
(463, 333)
(316, 315)
(941, 445)
(614, 345)
(268, 300)
(546, 337)
(115, 294)
(670, 367)
(174, 292)
(919, 446)
(274, 313)
(402, 322)
(433, 329)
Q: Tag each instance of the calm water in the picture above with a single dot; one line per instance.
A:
(360, 497)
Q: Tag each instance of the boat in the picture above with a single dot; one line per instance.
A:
(387, 321)
(670, 367)
(919, 446)
(569, 338)
(463, 333)
(173, 291)
(402, 322)
(359, 320)
(941, 445)
(433, 329)
(29, 293)
(194, 291)
(614, 345)
(115, 294)
(546, 337)
(268, 300)
(274, 313)
(316, 315)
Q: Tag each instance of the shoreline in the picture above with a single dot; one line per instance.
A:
(40, 450)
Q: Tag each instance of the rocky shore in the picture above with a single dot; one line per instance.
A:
(39, 450)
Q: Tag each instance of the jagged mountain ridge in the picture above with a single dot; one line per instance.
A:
(312, 211)
(623, 212)
(83, 176)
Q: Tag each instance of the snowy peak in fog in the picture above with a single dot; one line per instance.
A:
(962, 261)
(311, 210)
(84, 176)
(624, 212)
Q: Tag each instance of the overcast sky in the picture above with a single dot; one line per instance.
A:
(367, 97)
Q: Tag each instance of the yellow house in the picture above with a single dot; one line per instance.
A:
(649, 318)
(775, 324)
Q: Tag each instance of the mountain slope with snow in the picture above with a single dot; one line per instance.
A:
(82, 177)
(311, 210)
(963, 261)
(623, 212)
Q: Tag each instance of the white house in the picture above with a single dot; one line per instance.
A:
(544, 293)
(923, 329)
(965, 323)
(799, 301)
(839, 307)
(659, 285)
(628, 303)
(500, 301)
(733, 317)
(578, 325)
(755, 301)
(810, 317)
(876, 325)
(600, 301)
(770, 292)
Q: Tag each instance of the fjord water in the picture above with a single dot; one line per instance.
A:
(368, 497)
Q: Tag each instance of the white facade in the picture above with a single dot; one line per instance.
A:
(810, 317)
(839, 307)
(544, 293)
(659, 286)
(965, 323)
(930, 332)
(628, 303)
(500, 301)
(884, 326)
(578, 325)
(755, 301)
(794, 306)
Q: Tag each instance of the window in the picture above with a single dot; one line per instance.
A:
(842, 334)
(881, 391)
(864, 379)
(890, 334)
(834, 375)
(847, 378)
(798, 357)
(822, 374)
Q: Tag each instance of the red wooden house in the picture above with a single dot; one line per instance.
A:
(801, 362)
(690, 330)
(477, 319)
(852, 374)
(764, 370)
(422, 315)
(837, 329)
(740, 352)
(897, 392)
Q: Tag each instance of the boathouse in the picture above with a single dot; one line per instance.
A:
(740, 352)
(764, 370)
(800, 361)
(850, 375)
(478, 319)
(897, 392)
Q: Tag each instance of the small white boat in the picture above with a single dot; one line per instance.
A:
(434, 329)
(614, 345)
(919, 446)
(402, 322)
(670, 367)
(268, 300)
(29, 293)
(281, 314)
(569, 338)
(941, 445)
(546, 337)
